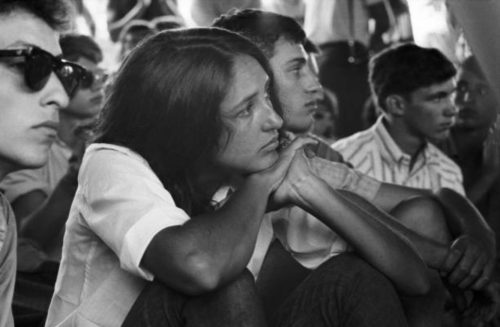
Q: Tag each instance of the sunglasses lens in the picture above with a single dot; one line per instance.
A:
(38, 70)
(87, 80)
(69, 77)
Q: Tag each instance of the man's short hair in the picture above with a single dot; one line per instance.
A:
(55, 13)
(404, 68)
(75, 46)
(263, 28)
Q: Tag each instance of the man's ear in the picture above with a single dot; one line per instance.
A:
(395, 105)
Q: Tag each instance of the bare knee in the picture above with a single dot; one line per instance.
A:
(425, 216)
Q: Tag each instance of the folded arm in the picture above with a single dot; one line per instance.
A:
(386, 250)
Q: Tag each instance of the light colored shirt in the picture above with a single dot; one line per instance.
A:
(120, 205)
(308, 240)
(328, 20)
(375, 153)
(8, 260)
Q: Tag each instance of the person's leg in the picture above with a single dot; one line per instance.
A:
(424, 216)
(236, 304)
(344, 291)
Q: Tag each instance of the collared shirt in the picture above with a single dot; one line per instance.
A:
(120, 205)
(375, 153)
(8, 259)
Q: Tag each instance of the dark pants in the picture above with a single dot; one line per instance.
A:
(344, 291)
(349, 82)
(236, 304)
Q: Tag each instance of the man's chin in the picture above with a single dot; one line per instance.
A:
(300, 127)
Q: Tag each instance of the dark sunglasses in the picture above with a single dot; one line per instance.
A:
(39, 65)
(93, 77)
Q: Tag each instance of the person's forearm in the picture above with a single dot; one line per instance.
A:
(374, 241)
(213, 248)
(431, 251)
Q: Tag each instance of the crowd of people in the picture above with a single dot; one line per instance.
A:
(271, 165)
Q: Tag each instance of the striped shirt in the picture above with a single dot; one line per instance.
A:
(376, 154)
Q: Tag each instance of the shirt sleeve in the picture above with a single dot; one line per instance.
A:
(126, 205)
(341, 176)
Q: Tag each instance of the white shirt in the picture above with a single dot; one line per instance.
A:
(120, 205)
(375, 153)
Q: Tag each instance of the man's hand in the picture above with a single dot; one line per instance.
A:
(302, 149)
(468, 264)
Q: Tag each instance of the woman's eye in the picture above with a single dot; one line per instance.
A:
(246, 111)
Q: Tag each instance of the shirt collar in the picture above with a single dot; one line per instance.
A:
(391, 152)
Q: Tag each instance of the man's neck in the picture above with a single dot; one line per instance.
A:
(408, 143)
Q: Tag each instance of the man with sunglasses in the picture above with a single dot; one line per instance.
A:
(35, 85)
(41, 197)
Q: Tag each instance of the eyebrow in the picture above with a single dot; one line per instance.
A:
(441, 94)
(249, 97)
(298, 60)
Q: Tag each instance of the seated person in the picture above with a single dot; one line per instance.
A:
(41, 197)
(35, 85)
(471, 143)
(413, 87)
(325, 117)
(175, 188)
(311, 243)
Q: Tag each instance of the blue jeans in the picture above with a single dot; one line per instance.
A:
(235, 304)
(344, 291)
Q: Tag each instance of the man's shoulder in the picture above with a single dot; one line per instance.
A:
(359, 142)
(443, 160)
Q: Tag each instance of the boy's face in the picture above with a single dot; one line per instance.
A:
(430, 112)
(87, 102)
(476, 103)
(29, 118)
(297, 87)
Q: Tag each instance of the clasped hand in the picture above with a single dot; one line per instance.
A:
(469, 264)
(291, 168)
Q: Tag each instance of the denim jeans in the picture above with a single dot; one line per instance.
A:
(344, 291)
(236, 304)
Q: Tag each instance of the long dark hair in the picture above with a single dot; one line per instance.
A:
(165, 103)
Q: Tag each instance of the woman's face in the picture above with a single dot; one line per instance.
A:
(250, 145)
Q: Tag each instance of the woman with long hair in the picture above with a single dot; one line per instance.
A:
(185, 164)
